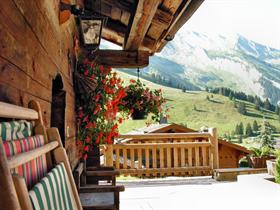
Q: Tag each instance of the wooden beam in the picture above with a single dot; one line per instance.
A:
(145, 11)
(186, 13)
(165, 135)
(123, 59)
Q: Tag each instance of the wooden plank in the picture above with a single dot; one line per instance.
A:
(183, 156)
(144, 14)
(158, 145)
(171, 5)
(117, 158)
(165, 135)
(22, 158)
(17, 112)
(123, 59)
(139, 155)
(215, 147)
(22, 192)
(190, 162)
(164, 170)
(147, 157)
(8, 195)
(168, 159)
(132, 160)
(175, 158)
(161, 157)
(204, 156)
(154, 157)
(197, 161)
(124, 158)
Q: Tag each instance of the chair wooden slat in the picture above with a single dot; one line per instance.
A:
(17, 112)
(22, 158)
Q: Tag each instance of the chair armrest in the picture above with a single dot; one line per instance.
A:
(100, 188)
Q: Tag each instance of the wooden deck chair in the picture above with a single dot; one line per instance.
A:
(35, 172)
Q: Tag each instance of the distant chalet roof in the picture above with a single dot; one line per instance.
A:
(145, 25)
(162, 128)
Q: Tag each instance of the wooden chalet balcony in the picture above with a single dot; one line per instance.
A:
(164, 154)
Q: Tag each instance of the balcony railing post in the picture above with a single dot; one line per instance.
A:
(215, 148)
(109, 155)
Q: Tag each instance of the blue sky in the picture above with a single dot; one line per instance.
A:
(258, 20)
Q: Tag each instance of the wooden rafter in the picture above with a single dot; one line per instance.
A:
(145, 11)
(123, 59)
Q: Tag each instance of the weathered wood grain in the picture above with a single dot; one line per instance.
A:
(144, 14)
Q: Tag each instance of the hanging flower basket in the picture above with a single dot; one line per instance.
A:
(141, 101)
(138, 114)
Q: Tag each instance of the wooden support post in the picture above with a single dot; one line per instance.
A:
(109, 155)
(124, 157)
(132, 158)
(215, 148)
(117, 158)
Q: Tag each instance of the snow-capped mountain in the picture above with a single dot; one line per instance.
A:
(194, 60)
(235, 62)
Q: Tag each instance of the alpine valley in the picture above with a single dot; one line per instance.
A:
(193, 61)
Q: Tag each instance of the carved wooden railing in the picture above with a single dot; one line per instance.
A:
(164, 154)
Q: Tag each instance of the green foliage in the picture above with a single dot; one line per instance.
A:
(221, 115)
(267, 104)
(261, 152)
(138, 97)
(243, 162)
(277, 153)
(249, 130)
(277, 172)
(266, 137)
(255, 126)
(242, 108)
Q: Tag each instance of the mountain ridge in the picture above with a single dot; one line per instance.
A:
(194, 61)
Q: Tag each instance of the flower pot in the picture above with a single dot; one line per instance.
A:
(258, 162)
(138, 115)
(271, 167)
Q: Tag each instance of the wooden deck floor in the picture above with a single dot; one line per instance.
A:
(201, 194)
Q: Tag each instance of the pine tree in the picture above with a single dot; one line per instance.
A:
(207, 89)
(267, 104)
(266, 137)
(230, 95)
(255, 126)
(237, 129)
(277, 109)
(242, 108)
(241, 127)
(249, 130)
(257, 103)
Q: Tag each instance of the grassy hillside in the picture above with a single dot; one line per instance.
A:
(219, 112)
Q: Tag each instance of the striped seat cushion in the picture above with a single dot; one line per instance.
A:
(53, 191)
(34, 170)
(15, 130)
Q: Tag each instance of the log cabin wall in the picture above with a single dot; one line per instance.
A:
(34, 48)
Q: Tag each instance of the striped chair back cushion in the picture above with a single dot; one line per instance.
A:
(53, 191)
(15, 130)
(34, 170)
